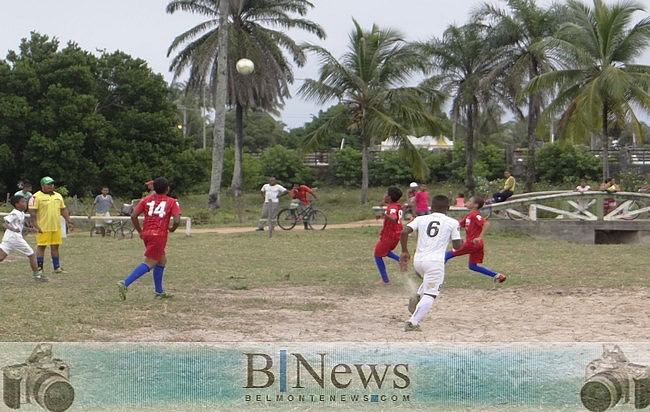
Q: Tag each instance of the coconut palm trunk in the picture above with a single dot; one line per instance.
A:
(365, 154)
(214, 200)
(533, 113)
(469, 150)
(237, 175)
(605, 144)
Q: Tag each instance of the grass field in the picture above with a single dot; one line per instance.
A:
(246, 286)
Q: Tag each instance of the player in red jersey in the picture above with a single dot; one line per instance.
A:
(158, 210)
(390, 233)
(475, 227)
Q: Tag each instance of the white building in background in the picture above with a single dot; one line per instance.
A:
(429, 143)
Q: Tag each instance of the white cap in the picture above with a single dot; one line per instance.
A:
(413, 184)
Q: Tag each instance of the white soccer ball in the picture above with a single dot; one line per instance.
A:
(245, 66)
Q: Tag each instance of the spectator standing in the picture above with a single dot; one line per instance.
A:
(271, 193)
(102, 205)
(422, 201)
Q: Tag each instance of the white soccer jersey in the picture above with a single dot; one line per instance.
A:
(435, 231)
(15, 220)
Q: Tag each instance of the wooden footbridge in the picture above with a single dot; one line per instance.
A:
(589, 217)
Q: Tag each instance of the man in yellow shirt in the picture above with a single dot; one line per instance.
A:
(508, 188)
(46, 208)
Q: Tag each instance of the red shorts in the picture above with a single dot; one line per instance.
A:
(384, 246)
(474, 250)
(154, 246)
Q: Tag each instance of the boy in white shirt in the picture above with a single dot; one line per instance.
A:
(271, 192)
(13, 239)
(434, 233)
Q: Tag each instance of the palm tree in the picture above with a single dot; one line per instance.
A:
(257, 31)
(465, 67)
(598, 82)
(370, 80)
(519, 31)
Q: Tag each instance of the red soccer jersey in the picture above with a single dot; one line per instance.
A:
(473, 223)
(158, 210)
(392, 230)
(301, 193)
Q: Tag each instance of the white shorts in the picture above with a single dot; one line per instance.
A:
(16, 245)
(101, 223)
(433, 275)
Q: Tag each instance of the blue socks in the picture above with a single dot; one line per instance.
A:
(137, 272)
(158, 277)
(55, 262)
(481, 269)
(393, 256)
(448, 255)
(39, 262)
(382, 269)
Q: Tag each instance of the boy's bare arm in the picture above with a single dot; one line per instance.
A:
(33, 213)
(6, 226)
(177, 221)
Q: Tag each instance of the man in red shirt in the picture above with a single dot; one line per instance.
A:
(475, 227)
(299, 194)
(390, 233)
(158, 210)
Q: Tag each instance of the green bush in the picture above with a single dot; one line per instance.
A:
(346, 167)
(286, 166)
(252, 170)
(562, 162)
(631, 180)
(439, 165)
(388, 168)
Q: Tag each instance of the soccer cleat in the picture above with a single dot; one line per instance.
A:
(409, 327)
(163, 295)
(259, 229)
(121, 288)
(500, 278)
(39, 277)
(59, 270)
(413, 302)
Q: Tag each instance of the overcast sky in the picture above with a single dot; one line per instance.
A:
(143, 29)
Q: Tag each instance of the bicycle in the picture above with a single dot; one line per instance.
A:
(119, 229)
(288, 217)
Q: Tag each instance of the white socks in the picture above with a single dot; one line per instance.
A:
(424, 306)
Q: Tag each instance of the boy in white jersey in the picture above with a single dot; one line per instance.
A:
(13, 240)
(434, 233)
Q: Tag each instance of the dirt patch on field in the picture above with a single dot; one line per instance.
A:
(230, 230)
(502, 314)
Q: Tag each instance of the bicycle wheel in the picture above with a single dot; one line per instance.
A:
(317, 220)
(127, 232)
(117, 231)
(287, 218)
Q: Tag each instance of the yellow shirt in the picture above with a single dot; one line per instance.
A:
(49, 210)
(509, 181)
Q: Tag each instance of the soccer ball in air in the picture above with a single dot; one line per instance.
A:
(245, 66)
